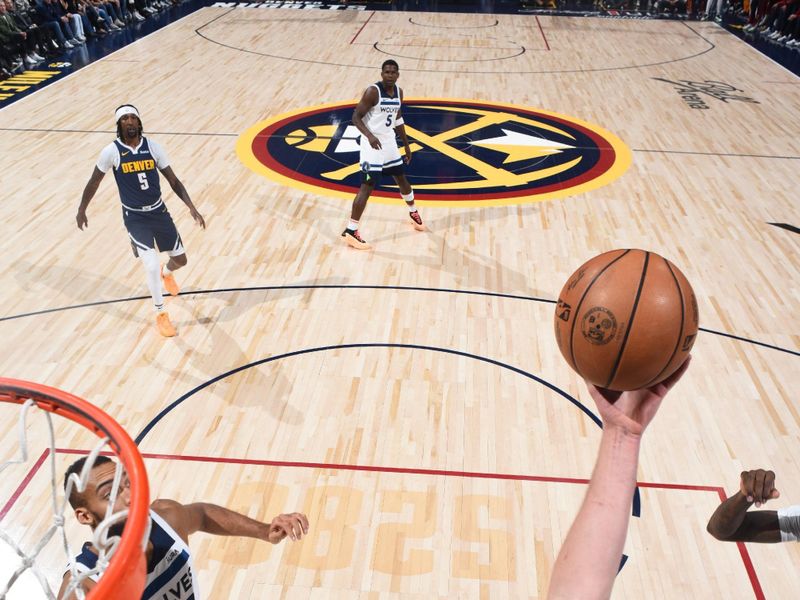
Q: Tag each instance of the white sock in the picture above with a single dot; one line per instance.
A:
(165, 270)
(151, 266)
(409, 200)
(352, 225)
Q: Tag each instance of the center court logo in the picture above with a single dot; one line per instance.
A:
(465, 153)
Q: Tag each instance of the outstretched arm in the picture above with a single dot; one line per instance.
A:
(732, 523)
(187, 519)
(589, 559)
(181, 192)
(88, 193)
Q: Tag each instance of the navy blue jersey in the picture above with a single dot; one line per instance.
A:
(137, 176)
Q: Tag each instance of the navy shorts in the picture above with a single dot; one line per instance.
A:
(152, 230)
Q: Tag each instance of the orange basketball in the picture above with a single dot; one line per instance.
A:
(626, 319)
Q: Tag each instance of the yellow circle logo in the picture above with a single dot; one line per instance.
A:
(465, 153)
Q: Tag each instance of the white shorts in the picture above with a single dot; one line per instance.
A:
(376, 161)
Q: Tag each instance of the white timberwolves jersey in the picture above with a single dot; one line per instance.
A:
(169, 570)
(380, 119)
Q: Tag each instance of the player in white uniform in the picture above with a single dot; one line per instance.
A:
(378, 117)
(169, 561)
(732, 522)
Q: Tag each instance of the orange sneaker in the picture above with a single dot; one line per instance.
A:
(417, 221)
(165, 326)
(169, 283)
(354, 240)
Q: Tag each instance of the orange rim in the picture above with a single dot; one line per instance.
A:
(126, 573)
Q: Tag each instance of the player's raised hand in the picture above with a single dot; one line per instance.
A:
(293, 525)
(758, 486)
(81, 219)
(198, 218)
(632, 411)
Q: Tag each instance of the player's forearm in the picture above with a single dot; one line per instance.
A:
(181, 192)
(728, 517)
(88, 193)
(595, 542)
(218, 520)
(401, 131)
(358, 121)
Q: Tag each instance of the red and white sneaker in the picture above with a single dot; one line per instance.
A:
(354, 240)
(417, 220)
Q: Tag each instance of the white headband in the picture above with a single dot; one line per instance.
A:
(126, 110)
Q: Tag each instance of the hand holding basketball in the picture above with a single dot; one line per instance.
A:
(294, 525)
(626, 319)
(633, 410)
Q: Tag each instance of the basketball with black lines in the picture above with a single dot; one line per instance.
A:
(626, 319)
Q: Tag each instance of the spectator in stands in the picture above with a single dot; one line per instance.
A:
(779, 23)
(102, 9)
(48, 16)
(794, 30)
(15, 41)
(36, 42)
(714, 9)
(671, 6)
(759, 13)
(76, 23)
(7, 63)
(98, 24)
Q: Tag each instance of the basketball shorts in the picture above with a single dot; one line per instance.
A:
(152, 230)
(375, 162)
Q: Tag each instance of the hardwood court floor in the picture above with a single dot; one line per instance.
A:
(429, 458)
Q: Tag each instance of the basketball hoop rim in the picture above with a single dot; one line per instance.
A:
(128, 562)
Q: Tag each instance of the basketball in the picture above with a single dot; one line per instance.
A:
(626, 319)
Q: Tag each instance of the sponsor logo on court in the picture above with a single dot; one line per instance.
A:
(694, 93)
(464, 153)
(599, 326)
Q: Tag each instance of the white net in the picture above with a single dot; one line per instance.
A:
(26, 553)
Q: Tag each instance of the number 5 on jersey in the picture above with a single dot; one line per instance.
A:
(143, 183)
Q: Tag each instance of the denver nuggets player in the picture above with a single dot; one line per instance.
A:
(169, 562)
(136, 161)
(378, 116)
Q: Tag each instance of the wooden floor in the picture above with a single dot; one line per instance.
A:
(702, 189)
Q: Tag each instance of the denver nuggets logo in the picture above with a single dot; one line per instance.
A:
(465, 153)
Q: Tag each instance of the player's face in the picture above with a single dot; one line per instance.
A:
(389, 74)
(98, 494)
(130, 125)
